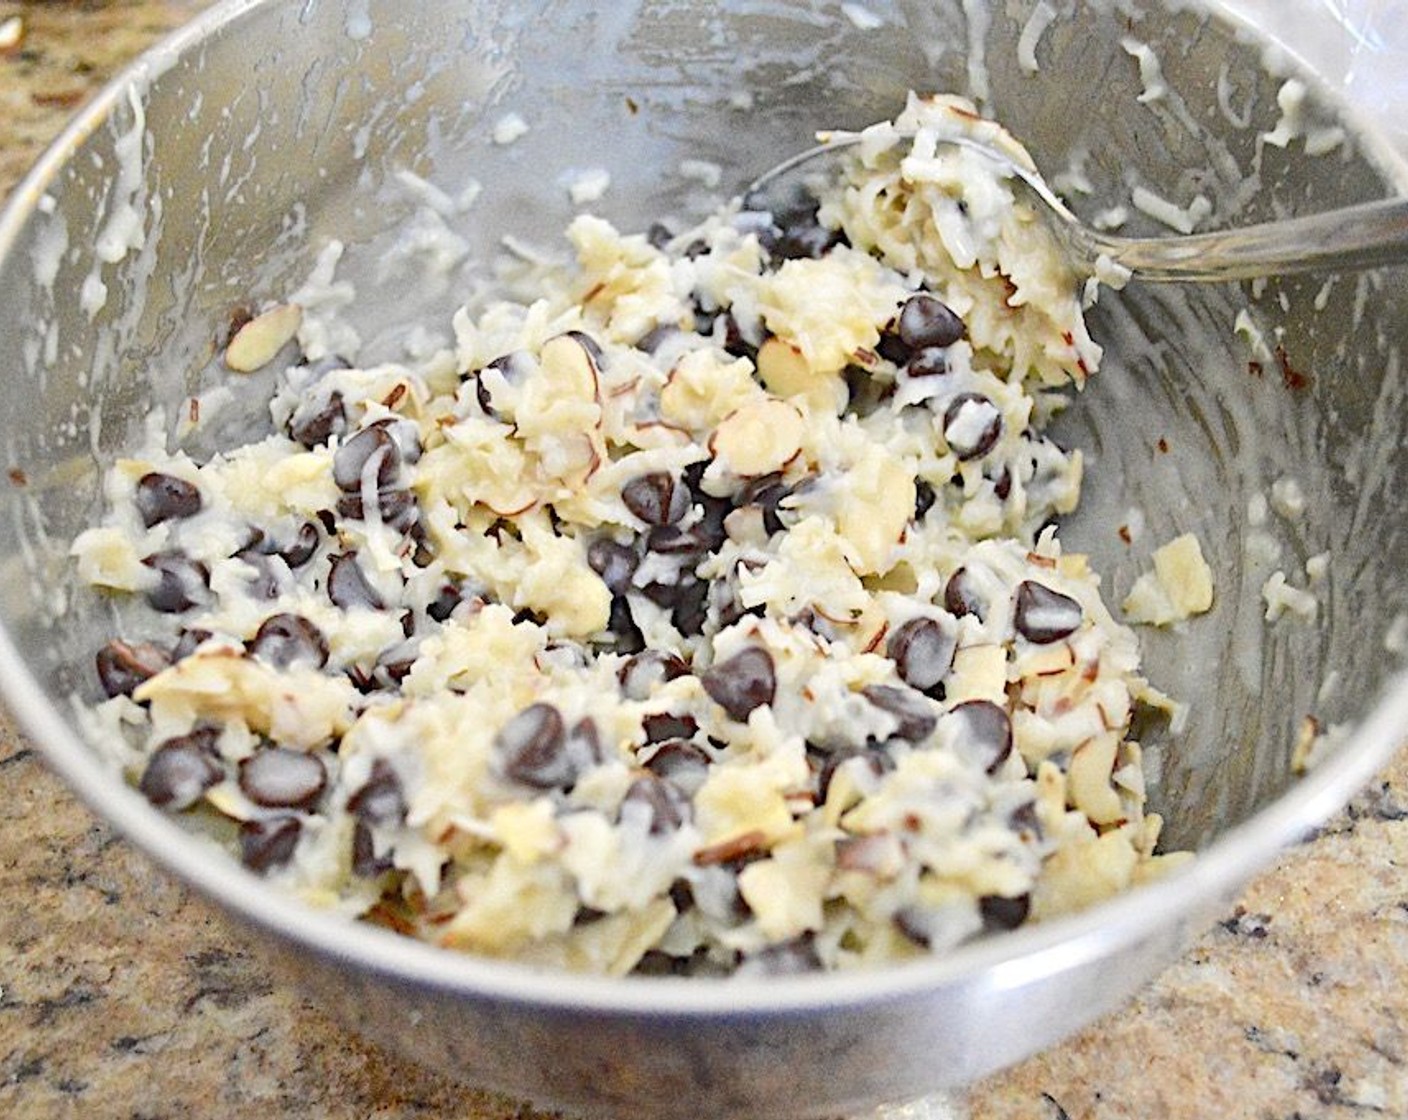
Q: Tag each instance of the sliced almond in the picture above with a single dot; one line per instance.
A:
(783, 368)
(877, 503)
(758, 438)
(979, 673)
(1089, 787)
(568, 367)
(255, 344)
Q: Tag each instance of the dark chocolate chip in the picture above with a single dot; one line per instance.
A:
(660, 726)
(878, 762)
(365, 862)
(984, 731)
(669, 807)
(927, 322)
(656, 337)
(532, 748)
(892, 348)
(626, 636)
(122, 666)
(690, 611)
(745, 681)
(584, 745)
(914, 716)
(396, 508)
(373, 446)
(269, 843)
(656, 498)
(1043, 615)
(805, 240)
(710, 526)
(972, 425)
(766, 493)
(929, 362)
(189, 641)
(734, 342)
(787, 958)
(450, 596)
(924, 498)
(163, 497)
(348, 587)
(1004, 913)
(314, 422)
(671, 540)
(915, 924)
(303, 546)
(182, 583)
(285, 640)
(614, 562)
(962, 597)
(265, 583)
(181, 769)
(922, 650)
(279, 778)
(380, 799)
(683, 763)
(641, 674)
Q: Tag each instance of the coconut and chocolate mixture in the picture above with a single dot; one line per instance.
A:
(701, 614)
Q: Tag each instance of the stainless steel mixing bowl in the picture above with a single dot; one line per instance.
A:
(216, 172)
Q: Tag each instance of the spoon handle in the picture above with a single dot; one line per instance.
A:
(1373, 233)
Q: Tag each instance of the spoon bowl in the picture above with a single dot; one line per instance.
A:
(1361, 236)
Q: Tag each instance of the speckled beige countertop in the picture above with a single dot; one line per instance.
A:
(123, 996)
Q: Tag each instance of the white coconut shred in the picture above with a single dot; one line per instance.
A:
(698, 615)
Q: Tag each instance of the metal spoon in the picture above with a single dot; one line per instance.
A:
(1353, 237)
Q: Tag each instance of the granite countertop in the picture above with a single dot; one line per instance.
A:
(122, 995)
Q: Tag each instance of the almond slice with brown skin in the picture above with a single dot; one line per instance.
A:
(255, 344)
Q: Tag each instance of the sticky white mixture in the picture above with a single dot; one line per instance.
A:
(699, 612)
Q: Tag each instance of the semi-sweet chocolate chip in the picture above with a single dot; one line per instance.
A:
(348, 586)
(926, 321)
(642, 673)
(279, 778)
(972, 425)
(1043, 615)
(372, 449)
(614, 562)
(915, 717)
(181, 769)
(317, 419)
(667, 805)
(269, 842)
(983, 731)
(380, 800)
(656, 498)
(922, 650)
(745, 681)
(122, 666)
(962, 596)
(532, 749)
(1001, 913)
(181, 581)
(162, 497)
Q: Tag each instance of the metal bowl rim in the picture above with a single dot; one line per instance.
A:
(1002, 961)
